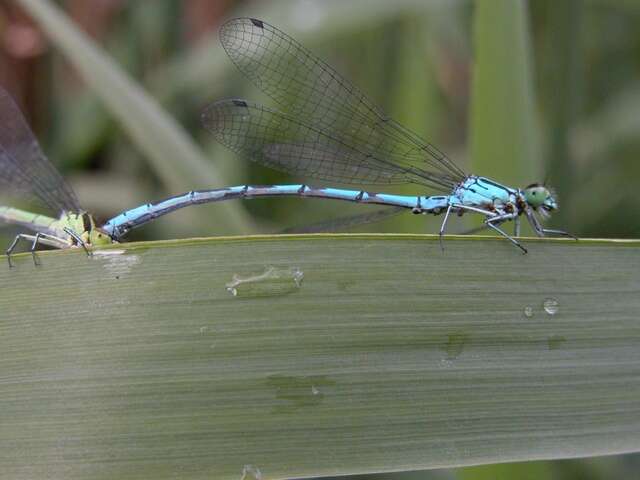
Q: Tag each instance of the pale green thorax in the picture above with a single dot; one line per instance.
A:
(84, 226)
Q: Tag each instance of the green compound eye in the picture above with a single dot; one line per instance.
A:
(539, 196)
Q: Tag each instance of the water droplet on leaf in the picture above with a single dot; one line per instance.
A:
(550, 306)
(273, 281)
(249, 472)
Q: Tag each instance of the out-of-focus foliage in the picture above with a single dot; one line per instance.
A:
(415, 58)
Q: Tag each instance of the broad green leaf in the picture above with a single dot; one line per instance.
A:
(170, 150)
(338, 354)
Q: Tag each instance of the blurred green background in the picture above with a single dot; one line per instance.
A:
(523, 92)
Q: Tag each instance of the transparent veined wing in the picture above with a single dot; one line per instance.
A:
(307, 88)
(282, 142)
(24, 170)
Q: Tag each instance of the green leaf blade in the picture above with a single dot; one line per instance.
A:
(390, 355)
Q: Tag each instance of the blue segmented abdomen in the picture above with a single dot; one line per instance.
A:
(129, 219)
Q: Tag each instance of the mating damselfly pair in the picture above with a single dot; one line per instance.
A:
(327, 130)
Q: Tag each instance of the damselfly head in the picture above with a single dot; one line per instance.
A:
(98, 236)
(540, 198)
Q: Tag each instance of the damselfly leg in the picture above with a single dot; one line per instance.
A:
(444, 223)
(505, 235)
(541, 231)
(78, 240)
(495, 220)
(39, 238)
(490, 217)
(562, 233)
